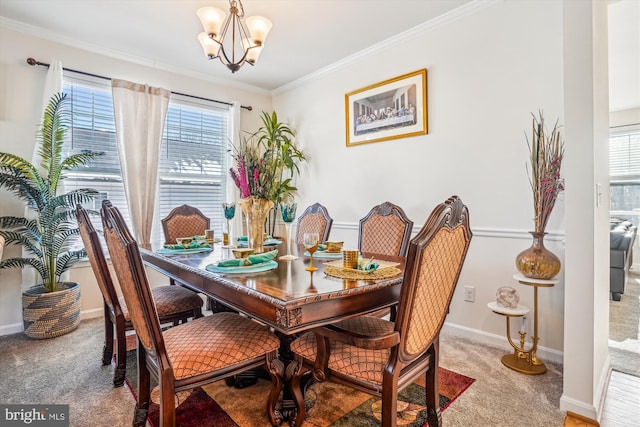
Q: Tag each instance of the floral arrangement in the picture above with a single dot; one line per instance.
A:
(266, 161)
(547, 151)
(256, 170)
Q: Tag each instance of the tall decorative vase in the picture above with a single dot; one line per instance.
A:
(537, 262)
(256, 210)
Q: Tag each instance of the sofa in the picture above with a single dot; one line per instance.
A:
(622, 237)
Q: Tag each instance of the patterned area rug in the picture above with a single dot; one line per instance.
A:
(331, 404)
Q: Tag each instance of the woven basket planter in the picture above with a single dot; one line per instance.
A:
(51, 314)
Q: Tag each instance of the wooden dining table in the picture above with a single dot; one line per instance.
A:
(289, 298)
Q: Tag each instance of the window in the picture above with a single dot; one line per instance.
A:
(192, 167)
(624, 174)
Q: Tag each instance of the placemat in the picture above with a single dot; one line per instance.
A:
(268, 242)
(385, 273)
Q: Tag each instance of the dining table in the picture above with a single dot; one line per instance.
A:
(286, 297)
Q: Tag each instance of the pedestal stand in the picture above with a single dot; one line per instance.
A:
(524, 360)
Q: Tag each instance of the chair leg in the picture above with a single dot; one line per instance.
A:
(144, 388)
(390, 400)
(167, 399)
(434, 417)
(107, 351)
(121, 353)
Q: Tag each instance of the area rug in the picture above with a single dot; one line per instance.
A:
(332, 405)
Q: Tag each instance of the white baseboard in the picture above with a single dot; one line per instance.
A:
(578, 407)
(500, 341)
(16, 328)
(93, 313)
(11, 329)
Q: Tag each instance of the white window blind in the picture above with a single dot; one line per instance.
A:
(192, 157)
(624, 174)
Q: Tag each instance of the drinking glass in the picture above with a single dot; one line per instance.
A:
(229, 213)
(310, 242)
(288, 211)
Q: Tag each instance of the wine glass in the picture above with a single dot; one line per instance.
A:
(229, 213)
(310, 242)
(288, 211)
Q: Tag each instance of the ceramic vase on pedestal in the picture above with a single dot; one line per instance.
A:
(256, 210)
(537, 262)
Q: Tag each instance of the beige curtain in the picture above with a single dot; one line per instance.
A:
(139, 112)
(232, 193)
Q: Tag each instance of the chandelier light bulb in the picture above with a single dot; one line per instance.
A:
(258, 27)
(209, 46)
(245, 41)
(211, 19)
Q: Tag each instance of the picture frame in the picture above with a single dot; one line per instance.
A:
(391, 109)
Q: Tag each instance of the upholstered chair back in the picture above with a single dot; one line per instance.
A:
(314, 219)
(184, 221)
(386, 229)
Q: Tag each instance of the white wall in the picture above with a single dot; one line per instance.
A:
(20, 98)
(486, 73)
(488, 70)
(587, 281)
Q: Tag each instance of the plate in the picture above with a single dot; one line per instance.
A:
(268, 242)
(253, 268)
(381, 266)
(164, 251)
(325, 255)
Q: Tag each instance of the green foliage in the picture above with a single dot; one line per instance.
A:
(266, 163)
(50, 228)
(277, 139)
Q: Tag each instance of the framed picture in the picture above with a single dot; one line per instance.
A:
(394, 108)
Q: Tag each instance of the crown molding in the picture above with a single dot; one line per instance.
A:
(34, 31)
(440, 21)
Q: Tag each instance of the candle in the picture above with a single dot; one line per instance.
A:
(522, 326)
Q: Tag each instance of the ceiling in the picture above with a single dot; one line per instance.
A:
(307, 35)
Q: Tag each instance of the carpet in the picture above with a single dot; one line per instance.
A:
(624, 328)
(337, 405)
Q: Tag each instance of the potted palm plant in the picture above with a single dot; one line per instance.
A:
(52, 307)
(277, 139)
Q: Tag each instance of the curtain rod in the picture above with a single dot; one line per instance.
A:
(33, 62)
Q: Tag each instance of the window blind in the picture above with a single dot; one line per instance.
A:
(192, 155)
(624, 175)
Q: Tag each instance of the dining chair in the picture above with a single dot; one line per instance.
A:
(386, 230)
(204, 350)
(314, 219)
(381, 357)
(174, 304)
(184, 221)
(187, 221)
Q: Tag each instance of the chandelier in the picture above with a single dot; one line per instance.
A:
(244, 46)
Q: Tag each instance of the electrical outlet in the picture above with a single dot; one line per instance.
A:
(469, 293)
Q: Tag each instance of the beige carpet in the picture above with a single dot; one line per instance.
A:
(68, 370)
(624, 328)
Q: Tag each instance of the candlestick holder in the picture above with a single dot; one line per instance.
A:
(523, 359)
